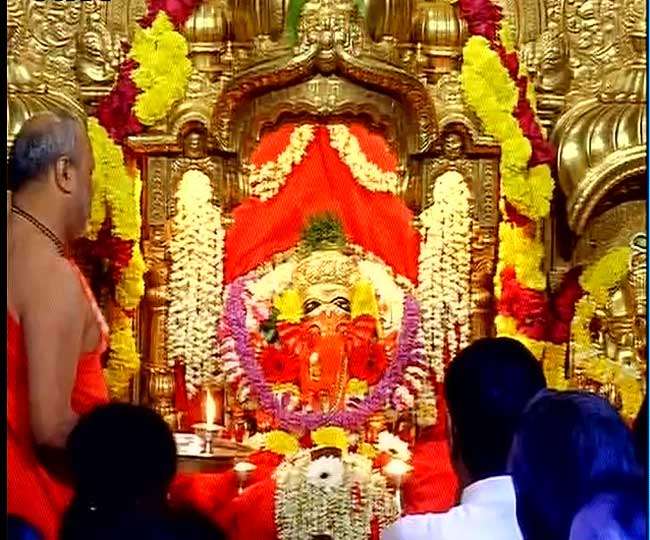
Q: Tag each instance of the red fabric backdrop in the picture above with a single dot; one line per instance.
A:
(380, 222)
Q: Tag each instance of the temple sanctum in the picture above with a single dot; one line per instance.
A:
(304, 209)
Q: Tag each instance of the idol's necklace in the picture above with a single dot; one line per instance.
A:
(60, 247)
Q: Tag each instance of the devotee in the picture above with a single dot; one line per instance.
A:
(19, 529)
(566, 443)
(618, 511)
(55, 331)
(128, 492)
(487, 387)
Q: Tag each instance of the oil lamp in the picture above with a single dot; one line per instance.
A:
(396, 470)
(243, 469)
(208, 429)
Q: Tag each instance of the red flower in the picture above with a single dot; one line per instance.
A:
(279, 366)
(563, 307)
(515, 217)
(177, 10)
(115, 111)
(367, 362)
(482, 16)
(528, 307)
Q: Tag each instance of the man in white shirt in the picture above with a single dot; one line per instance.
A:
(487, 387)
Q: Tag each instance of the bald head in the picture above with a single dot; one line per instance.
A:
(43, 140)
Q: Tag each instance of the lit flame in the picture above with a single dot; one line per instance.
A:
(397, 468)
(210, 409)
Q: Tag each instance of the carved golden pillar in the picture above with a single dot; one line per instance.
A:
(159, 375)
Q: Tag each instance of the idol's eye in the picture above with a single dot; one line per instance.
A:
(342, 303)
(311, 305)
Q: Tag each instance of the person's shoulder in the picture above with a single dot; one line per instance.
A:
(57, 275)
(414, 527)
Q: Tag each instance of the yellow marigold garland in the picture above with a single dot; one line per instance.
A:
(597, 280)
(164, 69)
(116, 193)
(525, 254)
(491, 92)
(123, 358)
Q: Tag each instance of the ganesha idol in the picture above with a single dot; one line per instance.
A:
(322, 340)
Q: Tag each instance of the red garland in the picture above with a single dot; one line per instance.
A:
(177, 10)
(484, 19)
(528, 307)
(482, 16)
(563, 307)
(115, 111)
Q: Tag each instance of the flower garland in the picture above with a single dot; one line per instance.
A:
(117, 201)
(365, 172)
(444, 270)
(497, 88)
(597, 281)
(156, 49)
(195, 282)
(340, 497)
(266, 181)
(239, 360)
(115, 221)
(116, 112)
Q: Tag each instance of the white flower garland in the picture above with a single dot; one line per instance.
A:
(196, 280)
(365, 172)
(444, 269)
(266, 181)
(339, 506)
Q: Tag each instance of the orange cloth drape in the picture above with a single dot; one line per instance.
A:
(379, 222)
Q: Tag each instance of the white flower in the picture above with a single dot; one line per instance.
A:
(256, 442)
(359, 466)
(393, 445)
(325, 472)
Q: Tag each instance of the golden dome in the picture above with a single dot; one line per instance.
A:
(601, 142)
(389, 18)
(210, 23)
(437, 24)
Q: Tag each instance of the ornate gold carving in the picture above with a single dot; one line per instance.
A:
(609, 230)
(157, 191)
(160, 386)
(41, 60)
(99, 53)
(482, 279)
(330, 267)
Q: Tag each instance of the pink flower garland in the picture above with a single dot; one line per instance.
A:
(237, 341)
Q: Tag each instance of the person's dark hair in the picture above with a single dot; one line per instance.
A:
(135, 525)
(487, 387)
(567, 443)
(618, 510)
(121, 456)
(42, 140)
(19, 529)
(641, 434)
